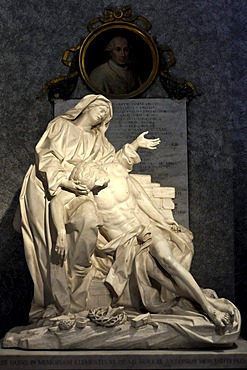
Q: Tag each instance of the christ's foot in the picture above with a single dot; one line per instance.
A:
(218, 317)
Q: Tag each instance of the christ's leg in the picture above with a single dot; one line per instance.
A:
(161, 251)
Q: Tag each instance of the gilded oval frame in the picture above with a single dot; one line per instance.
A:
(142, 46)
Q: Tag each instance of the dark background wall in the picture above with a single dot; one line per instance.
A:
(208, 38)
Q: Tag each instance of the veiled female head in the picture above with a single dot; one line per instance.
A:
(91, 111)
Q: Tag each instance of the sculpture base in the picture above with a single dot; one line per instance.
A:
(233, 358)
(114, 329)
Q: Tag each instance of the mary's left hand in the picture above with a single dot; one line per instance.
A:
(142, 142)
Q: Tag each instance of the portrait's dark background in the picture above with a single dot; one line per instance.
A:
(208, 38)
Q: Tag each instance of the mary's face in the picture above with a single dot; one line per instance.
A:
(96, 114)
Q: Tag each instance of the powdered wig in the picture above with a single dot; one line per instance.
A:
(111, 44)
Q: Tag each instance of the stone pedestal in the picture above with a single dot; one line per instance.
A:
(233, 358)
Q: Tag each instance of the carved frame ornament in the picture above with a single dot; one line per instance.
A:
(150, 60)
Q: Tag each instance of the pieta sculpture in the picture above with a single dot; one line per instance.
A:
(110, 271)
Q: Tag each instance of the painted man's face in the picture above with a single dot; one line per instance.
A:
(120, 51)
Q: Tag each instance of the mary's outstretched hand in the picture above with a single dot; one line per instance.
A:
(142, 142)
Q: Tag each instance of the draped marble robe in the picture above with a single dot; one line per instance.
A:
(61, 147)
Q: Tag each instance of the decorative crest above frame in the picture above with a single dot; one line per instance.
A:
(119, 59)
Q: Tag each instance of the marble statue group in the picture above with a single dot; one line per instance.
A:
(92, 235)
